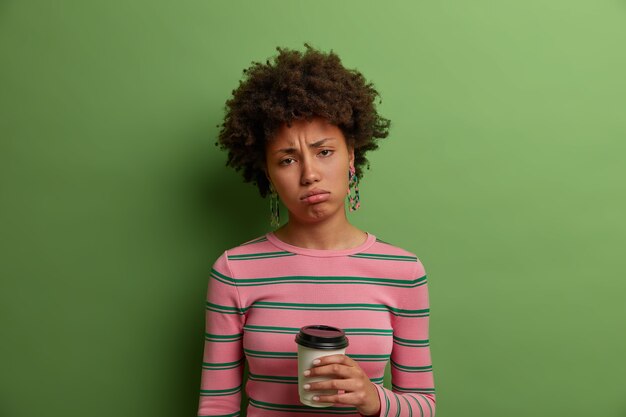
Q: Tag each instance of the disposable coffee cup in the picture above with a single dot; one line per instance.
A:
(314, 342)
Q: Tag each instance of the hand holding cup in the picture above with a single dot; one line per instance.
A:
(326, 376)
(350, 384)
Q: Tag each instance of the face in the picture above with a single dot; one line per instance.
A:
(308, 165)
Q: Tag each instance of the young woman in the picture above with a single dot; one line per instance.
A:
(299, 127)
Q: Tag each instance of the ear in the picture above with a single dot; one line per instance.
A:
(267, 175)
(351, 155)
(263, 167)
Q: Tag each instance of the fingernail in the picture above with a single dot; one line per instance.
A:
(306, 386)
(316, 398)
(307, 373)
(316, 362)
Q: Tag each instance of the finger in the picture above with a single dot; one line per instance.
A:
(335, 384)
(350, 398)
(335, 369)
(339, 358)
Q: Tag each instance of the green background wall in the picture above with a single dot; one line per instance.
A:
(504, 172)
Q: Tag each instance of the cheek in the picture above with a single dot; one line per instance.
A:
(285, 185)
(342, 175)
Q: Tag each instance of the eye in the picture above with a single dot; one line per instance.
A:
(326, 152)
(286, 161)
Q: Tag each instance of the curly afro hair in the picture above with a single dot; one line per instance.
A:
(298, 85)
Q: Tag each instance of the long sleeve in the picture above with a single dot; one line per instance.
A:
(413, 389)
(223, 359)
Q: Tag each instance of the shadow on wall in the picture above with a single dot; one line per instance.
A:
(229, 212)
(235, 210)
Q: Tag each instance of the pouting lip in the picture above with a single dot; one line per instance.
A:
(314, 192)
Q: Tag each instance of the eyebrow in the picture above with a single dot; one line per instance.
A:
(311, 145)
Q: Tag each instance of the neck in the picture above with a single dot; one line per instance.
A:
(332, 234)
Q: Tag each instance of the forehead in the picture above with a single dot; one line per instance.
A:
(310, 130)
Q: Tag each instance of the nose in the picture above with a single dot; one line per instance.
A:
(310, 173)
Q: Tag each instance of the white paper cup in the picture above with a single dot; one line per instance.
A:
(314, 342)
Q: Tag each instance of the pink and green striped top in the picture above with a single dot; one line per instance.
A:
(262, 292)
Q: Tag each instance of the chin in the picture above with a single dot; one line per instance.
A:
(318, 214)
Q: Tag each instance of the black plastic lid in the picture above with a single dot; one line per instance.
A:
(320, 336)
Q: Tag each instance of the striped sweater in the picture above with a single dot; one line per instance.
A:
(262, 292)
